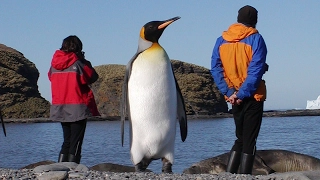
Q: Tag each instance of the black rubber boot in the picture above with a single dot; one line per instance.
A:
(73, 158)
(246, 163)
(234, 162)
(63, 158)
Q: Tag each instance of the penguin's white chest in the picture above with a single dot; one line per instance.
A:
(153, 104)
(152, 86)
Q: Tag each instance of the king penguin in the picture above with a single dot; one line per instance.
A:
(152, 100)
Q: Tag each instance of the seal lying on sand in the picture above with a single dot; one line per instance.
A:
(266, 162)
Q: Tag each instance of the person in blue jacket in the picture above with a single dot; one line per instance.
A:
(238, 63)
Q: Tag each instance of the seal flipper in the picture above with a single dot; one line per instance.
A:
(261, 166)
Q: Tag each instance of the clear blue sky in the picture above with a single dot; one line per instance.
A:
(109, 31)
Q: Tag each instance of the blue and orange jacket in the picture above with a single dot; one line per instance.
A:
(72, 98)
(238, 62)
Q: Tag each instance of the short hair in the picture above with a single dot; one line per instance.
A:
(71, 44)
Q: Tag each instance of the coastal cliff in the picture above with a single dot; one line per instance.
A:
(21, 99)
(19, 94)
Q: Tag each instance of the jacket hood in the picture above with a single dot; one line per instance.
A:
(62, 60)
(237, 32)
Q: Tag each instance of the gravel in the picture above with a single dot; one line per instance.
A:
(28, 174)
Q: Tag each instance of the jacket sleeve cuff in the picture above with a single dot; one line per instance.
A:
(230, 91)
(240, 96)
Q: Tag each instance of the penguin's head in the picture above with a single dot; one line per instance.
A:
(153, 30)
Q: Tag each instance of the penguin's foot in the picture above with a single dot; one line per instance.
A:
(166, 166)
(142, 166)
(139, 167)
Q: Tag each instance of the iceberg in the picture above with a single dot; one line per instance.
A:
(313, 104)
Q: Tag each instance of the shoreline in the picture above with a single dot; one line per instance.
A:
(269, 113)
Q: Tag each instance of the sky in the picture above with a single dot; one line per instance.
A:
(109, 31)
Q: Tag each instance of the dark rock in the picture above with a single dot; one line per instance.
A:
(200, 93)
(19, 94)
(292, 112)
(108, 88)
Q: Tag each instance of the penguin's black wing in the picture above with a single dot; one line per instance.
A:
(3, 126)
(181, 112)
(124, 105)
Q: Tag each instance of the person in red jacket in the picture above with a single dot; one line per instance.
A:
(72, 99)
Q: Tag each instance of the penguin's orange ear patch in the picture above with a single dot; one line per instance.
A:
(142, 33)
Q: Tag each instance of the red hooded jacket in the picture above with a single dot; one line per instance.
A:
(72, 98)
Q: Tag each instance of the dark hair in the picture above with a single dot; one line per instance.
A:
(72, 44)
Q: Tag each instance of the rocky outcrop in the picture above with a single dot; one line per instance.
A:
(200, 93)
(20, 97)
(107, 89)
(198, 89)
(20, 100)
(19, 94)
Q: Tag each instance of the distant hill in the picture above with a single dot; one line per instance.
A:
(20, 97)
(20, 100)
(19, 94)
(198, 89)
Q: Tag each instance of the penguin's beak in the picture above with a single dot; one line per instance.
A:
(168, 22)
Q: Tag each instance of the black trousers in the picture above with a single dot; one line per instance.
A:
(247, 118)
(73, 134)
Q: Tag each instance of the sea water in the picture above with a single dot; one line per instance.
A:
(28, 143)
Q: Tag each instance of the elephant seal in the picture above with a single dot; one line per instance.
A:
(266, 162)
